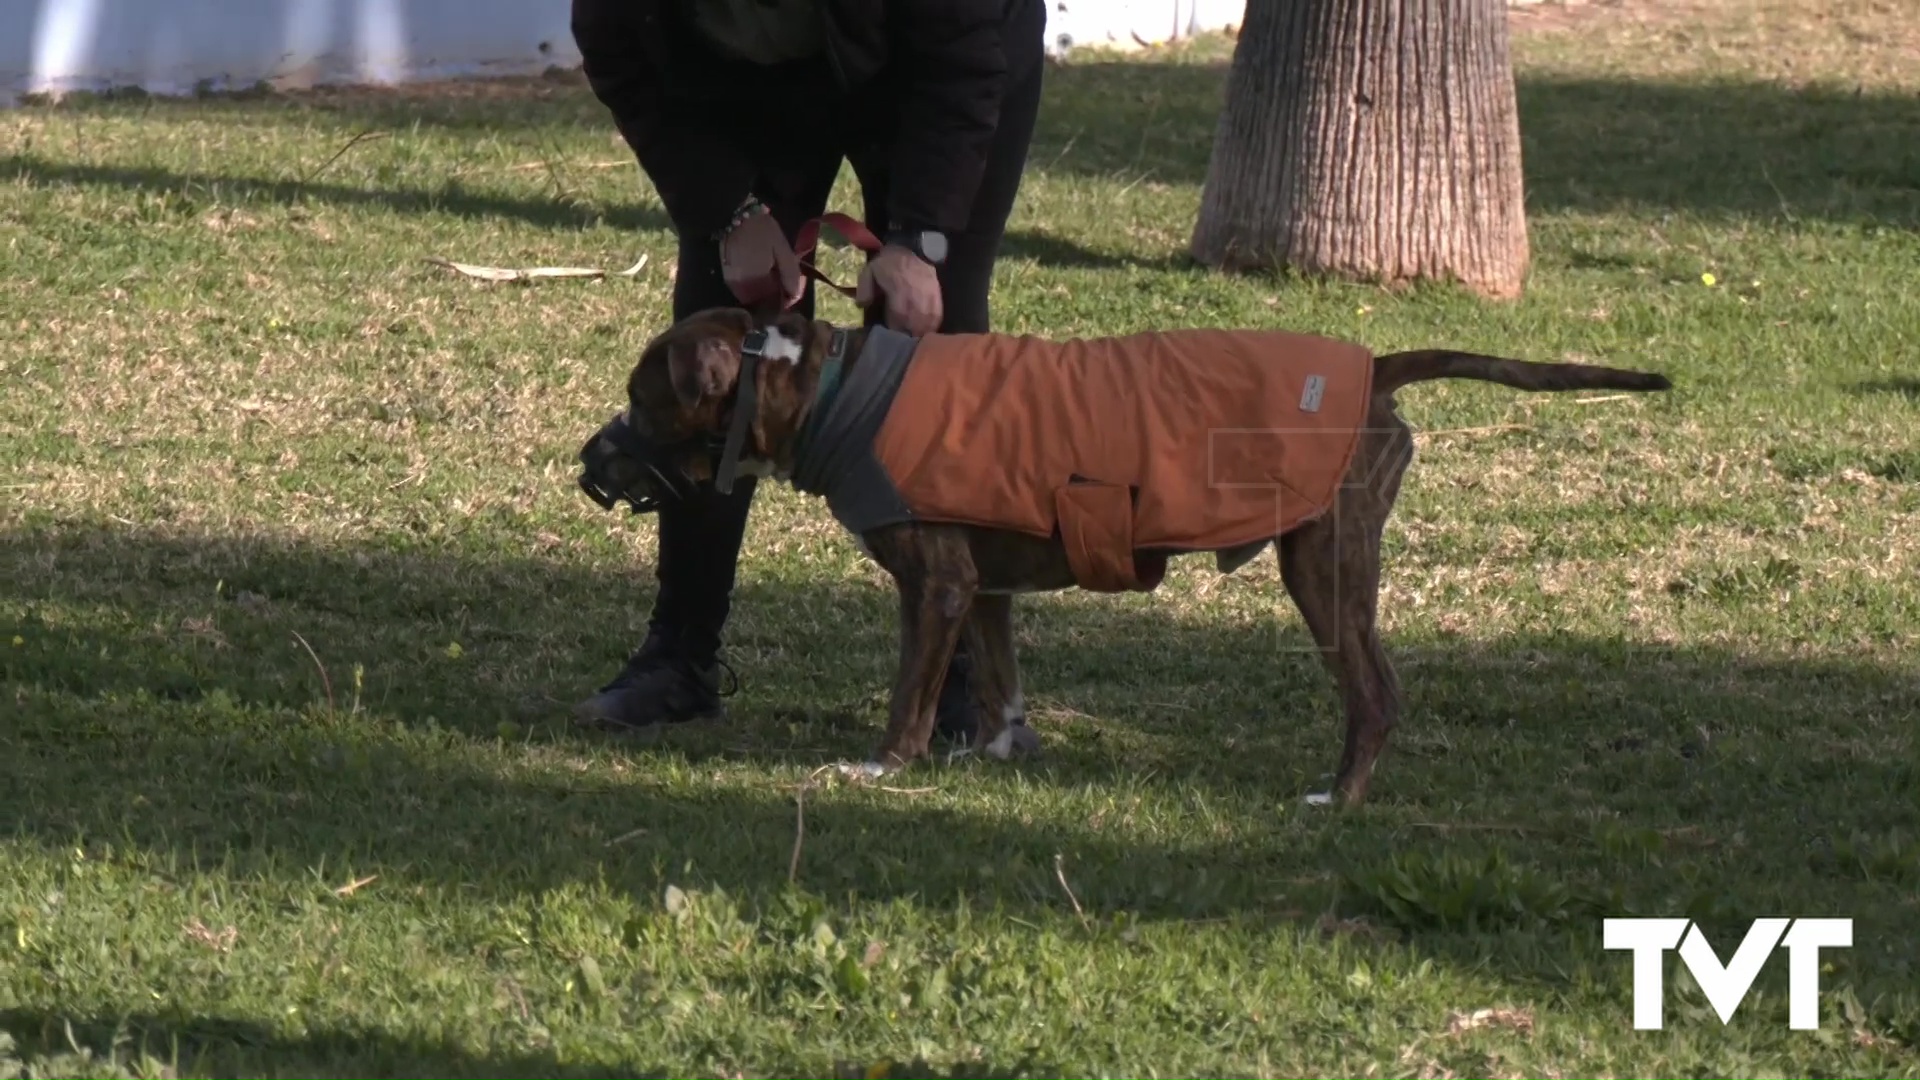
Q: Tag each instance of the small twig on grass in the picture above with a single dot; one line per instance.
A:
(1060, 874)
(1074, 138)
(352, 887)
(519, 1000)
(1604, 397)
(325, 681)
(1786, 211)
(1469, 826)
(1146, 130)
(1136, 182)
(800, 822)
(624, 837)
(908, 790)
(528, 166)
(364, 136)
(799, 833)
(1492, 429)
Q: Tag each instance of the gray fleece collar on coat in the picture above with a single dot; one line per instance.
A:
(833, 455)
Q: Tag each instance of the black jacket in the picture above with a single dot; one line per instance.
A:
(941, 68)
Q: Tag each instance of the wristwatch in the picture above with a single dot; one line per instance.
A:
(929, 244)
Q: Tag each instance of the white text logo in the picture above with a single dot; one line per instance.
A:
(1726, 985)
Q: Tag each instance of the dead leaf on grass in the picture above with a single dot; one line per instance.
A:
(1360, 928)
(226, 219)
(507, 273)
(205, 630)
(218, 940)
(503, 273)
(1520, 1020)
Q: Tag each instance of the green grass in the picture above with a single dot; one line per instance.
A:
(1659, 653)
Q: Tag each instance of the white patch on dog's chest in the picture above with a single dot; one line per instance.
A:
(780, 347)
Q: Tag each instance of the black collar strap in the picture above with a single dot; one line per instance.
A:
(746, 397)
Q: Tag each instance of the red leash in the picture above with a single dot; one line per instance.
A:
(808, 241)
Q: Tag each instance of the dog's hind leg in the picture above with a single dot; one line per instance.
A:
(1335, 594)
(1331, 567)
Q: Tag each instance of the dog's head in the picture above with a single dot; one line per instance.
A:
(715, 396)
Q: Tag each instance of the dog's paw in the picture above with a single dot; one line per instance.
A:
(862, 770)
(1016, 740)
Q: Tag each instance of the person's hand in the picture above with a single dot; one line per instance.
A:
(759, 264)
(909, 285)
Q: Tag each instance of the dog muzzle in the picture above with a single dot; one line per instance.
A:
(616, 464)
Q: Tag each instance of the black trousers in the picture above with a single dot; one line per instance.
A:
(700, 538)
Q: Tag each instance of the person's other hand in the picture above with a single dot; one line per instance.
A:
(759, 264)
(909, 285)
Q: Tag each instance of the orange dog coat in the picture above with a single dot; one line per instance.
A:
(1127, 448)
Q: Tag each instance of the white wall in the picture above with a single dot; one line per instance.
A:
(173, 46)
(1128, 24)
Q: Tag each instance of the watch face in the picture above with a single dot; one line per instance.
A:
(934, 246)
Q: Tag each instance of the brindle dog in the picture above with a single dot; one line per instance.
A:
(956, 580)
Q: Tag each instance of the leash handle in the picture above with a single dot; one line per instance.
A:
(808, 241)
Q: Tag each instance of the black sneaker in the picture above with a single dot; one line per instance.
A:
(660, 685)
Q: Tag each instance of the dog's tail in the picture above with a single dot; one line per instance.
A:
(1396, 370)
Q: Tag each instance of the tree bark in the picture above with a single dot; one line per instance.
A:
(1375, 140)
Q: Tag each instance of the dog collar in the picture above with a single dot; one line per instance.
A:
(824, 393)
(752, 348)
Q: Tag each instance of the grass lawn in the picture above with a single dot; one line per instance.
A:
(298, 587)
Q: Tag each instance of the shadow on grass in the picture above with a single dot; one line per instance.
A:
(451, 198)
(1743, 149)
(207, 1046)
(1906, 387)
(1733, 148)
(1685, 781)
(159, 700)
(458, 201)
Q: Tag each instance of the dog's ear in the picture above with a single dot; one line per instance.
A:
(703, 369)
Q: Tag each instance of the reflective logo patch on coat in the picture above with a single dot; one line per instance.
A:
(1310, 394)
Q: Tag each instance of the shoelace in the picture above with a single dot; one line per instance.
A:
(733, 678)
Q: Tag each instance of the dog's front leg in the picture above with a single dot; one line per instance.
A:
(996, 677)
(936, 580)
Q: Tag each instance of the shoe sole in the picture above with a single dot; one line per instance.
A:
(592, 719)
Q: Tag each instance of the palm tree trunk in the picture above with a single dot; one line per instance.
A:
(1374, 140)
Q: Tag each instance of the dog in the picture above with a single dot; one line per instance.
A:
(946, 460)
